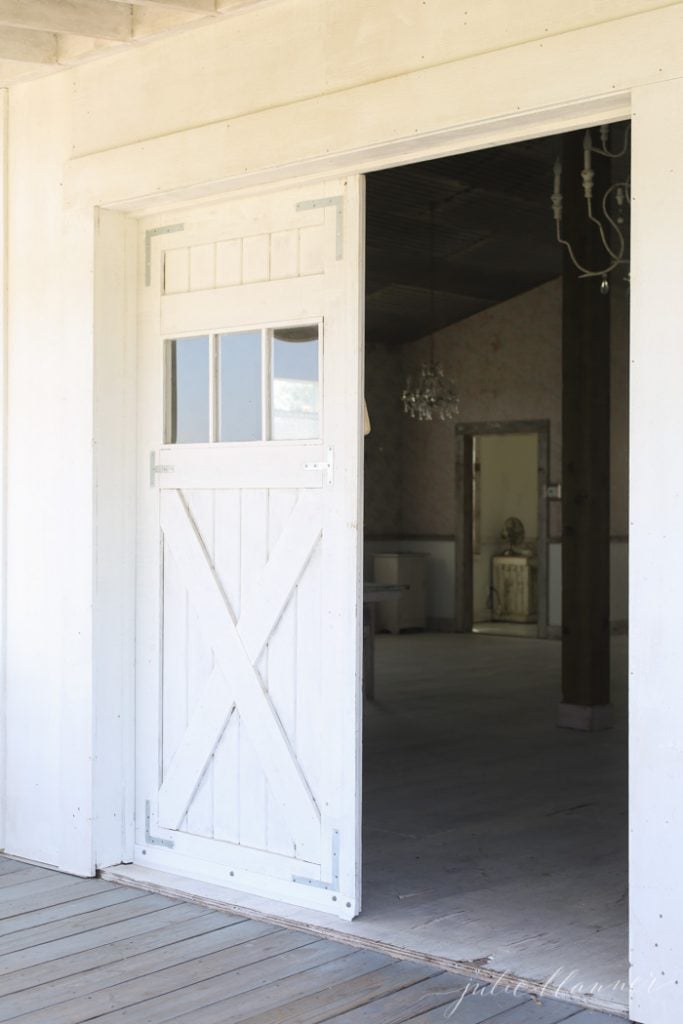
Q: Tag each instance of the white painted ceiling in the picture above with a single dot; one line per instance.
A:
(38, 37)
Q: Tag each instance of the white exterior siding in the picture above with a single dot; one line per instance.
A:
(219, 108)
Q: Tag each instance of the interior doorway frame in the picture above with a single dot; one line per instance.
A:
(464, 514)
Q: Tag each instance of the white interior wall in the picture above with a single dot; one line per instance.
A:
(127, 129)
(508, 487)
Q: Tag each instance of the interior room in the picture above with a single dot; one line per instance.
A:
(495, 785)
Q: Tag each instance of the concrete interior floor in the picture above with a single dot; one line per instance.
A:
(491, 837)
(491, 628)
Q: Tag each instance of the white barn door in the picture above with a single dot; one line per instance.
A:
(249, 427)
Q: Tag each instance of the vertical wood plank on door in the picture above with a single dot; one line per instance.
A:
(281, 668)
(202, 267)
(199, 818)
(176, 271)
(174, 692)
(226, 761)
(255, 258)
(229, 262)
(308, 696)
(284, 254)
(254, 554)
(311, 251)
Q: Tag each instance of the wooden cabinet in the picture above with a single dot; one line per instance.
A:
(408, 569)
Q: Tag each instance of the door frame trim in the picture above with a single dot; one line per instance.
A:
(464, 435)
(100, 204)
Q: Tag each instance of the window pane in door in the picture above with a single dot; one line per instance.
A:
(240, 383)
(295, 413)
(188, 407)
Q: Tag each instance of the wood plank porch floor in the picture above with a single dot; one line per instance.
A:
(75, 950)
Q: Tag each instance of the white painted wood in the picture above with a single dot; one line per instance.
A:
(255, 258)
(518, 91)
(4, 164)
(176, 271)
(483, 37)
(202, 267)
(34, 47)
(656, 505)
(231, 641)
(229, 262)
(207, 6)
(198, 466)
(102, 19)
(220, 307)
(114, 491)
(200, 665)
(246, 684)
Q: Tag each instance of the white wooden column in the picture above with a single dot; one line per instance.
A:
(3, 447)
(77, 734)
(656, 557)
(114, 468)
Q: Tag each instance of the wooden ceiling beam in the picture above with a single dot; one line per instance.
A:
(198, 6)
(98, 19)
(31, 47)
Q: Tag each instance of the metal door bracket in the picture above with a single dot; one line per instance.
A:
(149, 838)
(167, 229)
(317, 883)
(155, 468)
(326, 467)
(338, 203)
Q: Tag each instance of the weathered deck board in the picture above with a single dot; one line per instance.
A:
(184, 924)
(43, 939)
(60, 890)
(333, 1000)
(27, 874)
(260, 984)
(63, 913)
(82, 950)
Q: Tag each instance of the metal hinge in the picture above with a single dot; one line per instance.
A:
(326, 467)
(155, 468)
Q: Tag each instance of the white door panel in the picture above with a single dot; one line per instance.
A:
(248, 738)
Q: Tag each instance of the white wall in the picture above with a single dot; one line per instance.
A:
(508, 481)
(49, 511)
(3, 449)
(656, 558)
(205, 111)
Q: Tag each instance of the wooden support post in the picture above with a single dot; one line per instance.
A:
(585, 456)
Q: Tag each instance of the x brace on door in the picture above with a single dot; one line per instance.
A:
(234, 681)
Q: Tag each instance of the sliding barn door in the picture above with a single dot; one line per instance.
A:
(249, 425)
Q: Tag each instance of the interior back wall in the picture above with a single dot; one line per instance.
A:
(506, 365)
(506, 362)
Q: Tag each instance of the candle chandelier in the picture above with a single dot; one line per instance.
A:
(431, 394)
(612, 206)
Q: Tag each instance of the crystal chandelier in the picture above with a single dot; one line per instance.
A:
(615, 198)
(431, 394)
